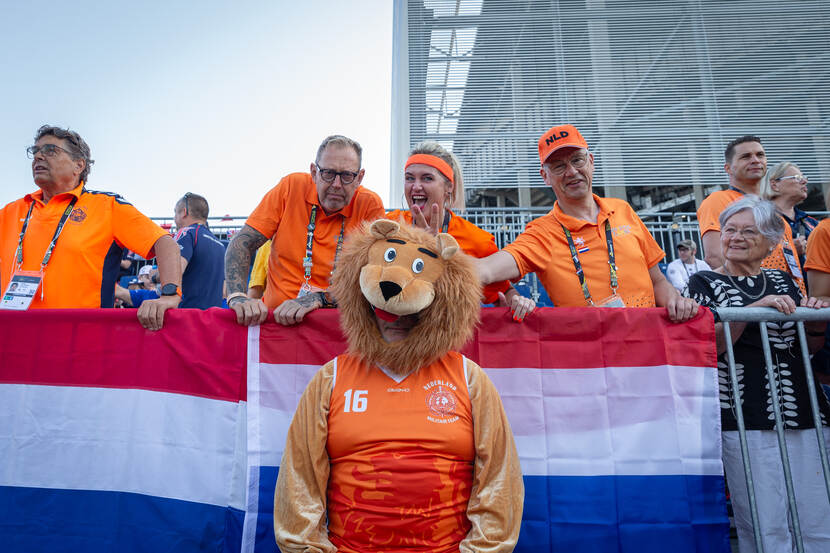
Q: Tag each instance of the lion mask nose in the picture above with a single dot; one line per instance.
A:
(389, 289)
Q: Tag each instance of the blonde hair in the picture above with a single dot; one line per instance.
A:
(774, 174)
(432, 148)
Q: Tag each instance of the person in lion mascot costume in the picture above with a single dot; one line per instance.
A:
(401, 444)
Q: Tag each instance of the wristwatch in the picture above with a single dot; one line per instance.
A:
(169, 289)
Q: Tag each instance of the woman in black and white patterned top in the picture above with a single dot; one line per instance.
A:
(750, 228)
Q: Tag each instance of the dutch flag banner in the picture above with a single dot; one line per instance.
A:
(614, 412)
(113, 438)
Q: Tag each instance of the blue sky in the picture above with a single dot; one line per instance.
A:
(216, 98)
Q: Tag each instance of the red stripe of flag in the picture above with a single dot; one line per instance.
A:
(200, 353)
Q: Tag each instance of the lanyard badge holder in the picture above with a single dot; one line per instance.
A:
(611, 301)
(792, 261)
(306, 288)
(23, 285)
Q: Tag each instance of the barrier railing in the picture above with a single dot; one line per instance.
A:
(762, 316)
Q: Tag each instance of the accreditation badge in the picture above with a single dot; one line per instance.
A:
(21, 290)
(307, 289)
(611, 301)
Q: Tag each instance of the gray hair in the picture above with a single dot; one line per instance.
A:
(435, 149)
(341, 142)
(77, 147)
(767, 219)
(774, 174)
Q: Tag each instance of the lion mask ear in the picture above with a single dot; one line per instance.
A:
(447, 245)
(384, 227)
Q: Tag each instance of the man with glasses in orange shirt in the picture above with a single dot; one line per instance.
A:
(587, 251)
(307, 216)
(63, 244)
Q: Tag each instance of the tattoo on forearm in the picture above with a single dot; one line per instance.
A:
(238, 258)
(309, 300)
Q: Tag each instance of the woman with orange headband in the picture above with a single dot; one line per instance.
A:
(433, 187)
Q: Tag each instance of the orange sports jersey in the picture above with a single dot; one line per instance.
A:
(543, 248)
(283, 215)
(475, 241)
(401, 454)
(818, 248)
(84, 264)
(708, 215)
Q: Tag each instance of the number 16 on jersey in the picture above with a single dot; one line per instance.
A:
(356, 400)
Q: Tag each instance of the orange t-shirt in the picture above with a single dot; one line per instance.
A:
(818, 248)
(475, 241)
(707, 219)
(543, 248)
(401, 453)
(84, 264)
(283, 215)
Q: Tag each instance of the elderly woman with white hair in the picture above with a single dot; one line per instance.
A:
(750, 229)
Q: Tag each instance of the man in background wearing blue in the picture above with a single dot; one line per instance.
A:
(202, 254)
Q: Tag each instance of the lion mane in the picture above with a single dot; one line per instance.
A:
(446, 324)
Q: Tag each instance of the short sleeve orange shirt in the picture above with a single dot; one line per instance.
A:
(707, 219)
(818, 248)
(284, 214)
(84, 264)
(543, 248)
(474, 240)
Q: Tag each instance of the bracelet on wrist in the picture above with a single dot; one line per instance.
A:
(326, 301)
(236, 295)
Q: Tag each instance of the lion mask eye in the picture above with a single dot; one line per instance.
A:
(390, 255)
(418, 265)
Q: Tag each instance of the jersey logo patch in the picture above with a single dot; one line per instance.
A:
(78, 215)
(441, 403)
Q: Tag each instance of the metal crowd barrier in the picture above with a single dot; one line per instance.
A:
(763, 315)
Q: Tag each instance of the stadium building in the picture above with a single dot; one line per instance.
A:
(657, 88)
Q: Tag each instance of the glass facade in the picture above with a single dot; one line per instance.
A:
(657, 89)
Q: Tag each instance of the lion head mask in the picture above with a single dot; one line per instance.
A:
(391, 270)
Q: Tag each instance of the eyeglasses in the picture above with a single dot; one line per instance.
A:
(798, 178)
(328, 175)
(48, 150)
(748, 233)
(559, 167)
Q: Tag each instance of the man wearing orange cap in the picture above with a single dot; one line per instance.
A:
(587, 251)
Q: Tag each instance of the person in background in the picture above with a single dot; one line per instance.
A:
(307, 216)
(72, 238)
(746, 165)
(786, 186)
(433, 186)
(679, 270)
(202, 254)
(259, 272)
(749, 229)
(145, 277)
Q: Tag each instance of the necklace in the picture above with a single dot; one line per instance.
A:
(746, 292)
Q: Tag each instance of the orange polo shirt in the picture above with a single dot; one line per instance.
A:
(283, 214)
(401, 453)
(475, 241)
(707, 219)
(84, 264)
(818, 248)
(543, 248)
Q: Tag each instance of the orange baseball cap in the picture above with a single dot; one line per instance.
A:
(560, 136)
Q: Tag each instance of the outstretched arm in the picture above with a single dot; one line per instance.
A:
(496, 267)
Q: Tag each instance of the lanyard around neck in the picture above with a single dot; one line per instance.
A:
(612, 266)
(48, 255)
(309, 243)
